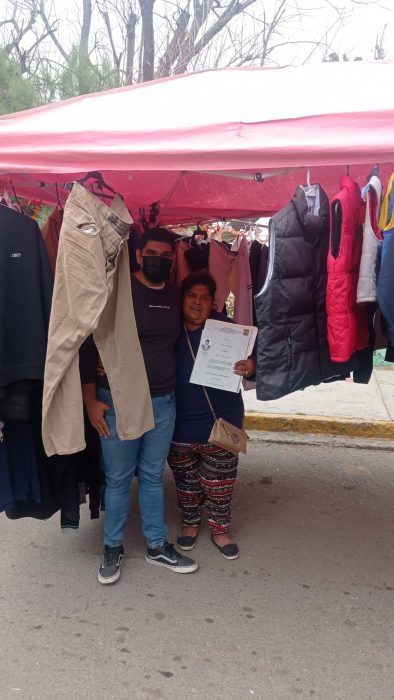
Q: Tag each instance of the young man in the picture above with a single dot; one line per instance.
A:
(157, 313)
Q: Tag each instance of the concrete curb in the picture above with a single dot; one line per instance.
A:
(319, 425)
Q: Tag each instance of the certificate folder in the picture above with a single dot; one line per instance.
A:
(222, 345)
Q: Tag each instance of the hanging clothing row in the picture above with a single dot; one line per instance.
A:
(31, 483)
(238, 269)
(317, 308)
(314, 293)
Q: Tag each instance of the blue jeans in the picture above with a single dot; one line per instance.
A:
(145, 456)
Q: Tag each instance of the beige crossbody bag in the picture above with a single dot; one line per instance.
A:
(223, 433)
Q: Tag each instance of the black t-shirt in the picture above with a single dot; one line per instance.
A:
(158, 320)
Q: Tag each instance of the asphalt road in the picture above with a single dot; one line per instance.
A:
(305, 612)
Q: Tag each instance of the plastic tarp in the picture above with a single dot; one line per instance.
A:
(194, 142)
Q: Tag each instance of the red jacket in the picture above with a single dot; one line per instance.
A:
(347, 324)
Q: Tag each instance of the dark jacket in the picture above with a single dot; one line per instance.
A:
(292, 348)
(25, 299)
(386, 286)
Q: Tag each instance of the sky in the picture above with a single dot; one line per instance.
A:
(349, 26)
(346, 26)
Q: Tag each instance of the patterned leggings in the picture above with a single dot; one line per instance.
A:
(204, 475)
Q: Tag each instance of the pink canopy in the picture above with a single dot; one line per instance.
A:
(194, 142)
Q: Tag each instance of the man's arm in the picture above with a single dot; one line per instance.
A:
(88, 359)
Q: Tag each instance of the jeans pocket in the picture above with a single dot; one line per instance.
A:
(81, 220)
(111, 262)
(105, 396)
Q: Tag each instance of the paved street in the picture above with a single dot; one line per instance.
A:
(306, 612)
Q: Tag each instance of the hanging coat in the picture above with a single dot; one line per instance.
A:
(367, 288)
(347, 322)
(292, 348)
(386, 217)
(243, 307)
(386, 274)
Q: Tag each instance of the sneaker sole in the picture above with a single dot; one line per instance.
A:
(175, 569)
(106, 581)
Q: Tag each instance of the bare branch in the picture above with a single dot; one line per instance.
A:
(172, 52)
(52, 31)
(234, 8)
(104, 13)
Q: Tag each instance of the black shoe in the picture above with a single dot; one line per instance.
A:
(109, 570)
(167, 556)
(187, 542)
(228, 551)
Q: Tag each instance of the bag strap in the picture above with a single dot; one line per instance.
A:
(203, 388)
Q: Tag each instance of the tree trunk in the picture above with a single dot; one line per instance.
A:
(84, 47)
(130, 46)
(185, 53)
(172, 52)
(148, 40)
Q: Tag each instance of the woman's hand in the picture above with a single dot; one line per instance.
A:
(245, 368)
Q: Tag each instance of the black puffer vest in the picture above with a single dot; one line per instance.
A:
(292, 351)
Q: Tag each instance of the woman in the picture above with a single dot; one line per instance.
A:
(204, 474)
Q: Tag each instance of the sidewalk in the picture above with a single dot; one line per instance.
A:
(339, 408)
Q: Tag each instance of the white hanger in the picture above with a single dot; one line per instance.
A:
(310, 192)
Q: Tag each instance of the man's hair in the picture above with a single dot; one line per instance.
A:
(158, 234)
(199, 278)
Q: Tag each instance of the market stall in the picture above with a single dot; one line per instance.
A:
(295, 143)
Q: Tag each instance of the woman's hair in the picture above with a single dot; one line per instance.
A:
(199, 278)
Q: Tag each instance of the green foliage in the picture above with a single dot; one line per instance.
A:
(78, 77)
(46, 82)
(16, 92)
(81, 77)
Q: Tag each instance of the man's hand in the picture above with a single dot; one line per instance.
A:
(96, 411)
(245, 368)
(100, 369)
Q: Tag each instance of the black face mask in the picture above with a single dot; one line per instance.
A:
(156, 268)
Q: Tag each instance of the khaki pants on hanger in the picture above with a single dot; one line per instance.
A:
(92, 293)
